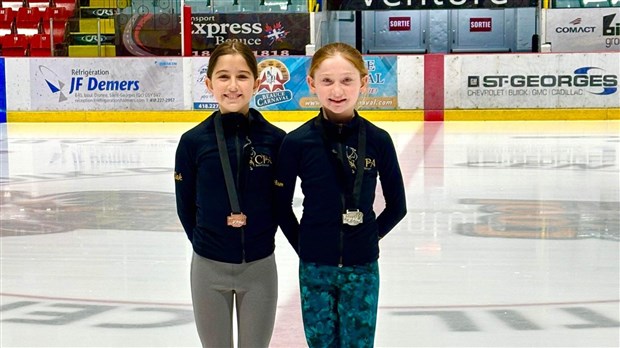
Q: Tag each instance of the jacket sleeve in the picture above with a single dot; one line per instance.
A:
(393, 189)
(185, 187)
(285, 180)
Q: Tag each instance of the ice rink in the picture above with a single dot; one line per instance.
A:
(511, 238)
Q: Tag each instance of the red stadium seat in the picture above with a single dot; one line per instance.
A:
(40, 45)
(40, 4)
(7, 14)
(55, 21)
(7, 17)
(28, 20)
(6, 28)
(57, 13)
(14, 45)
(12, 4)
(69, 5)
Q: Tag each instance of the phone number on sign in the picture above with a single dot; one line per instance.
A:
(161, 100)
(263, 53)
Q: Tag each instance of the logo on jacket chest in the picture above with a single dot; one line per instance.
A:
(259, 160)
(369, 163)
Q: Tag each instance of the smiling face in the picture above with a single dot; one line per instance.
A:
(337, 84)
(232, 83)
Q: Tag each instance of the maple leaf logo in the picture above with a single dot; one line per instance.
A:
(275, 33)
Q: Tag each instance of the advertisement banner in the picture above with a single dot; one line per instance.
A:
(267, 34)
(107, 84)
(578, 30)
(392, 5)
(202, 99)
(382, 90)
(2, 92)
(283, 84)
(588, 80)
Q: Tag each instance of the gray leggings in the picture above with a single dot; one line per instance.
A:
(255, 285)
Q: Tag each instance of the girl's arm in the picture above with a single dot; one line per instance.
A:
(393, 189)
(185, 188)
(286, 177)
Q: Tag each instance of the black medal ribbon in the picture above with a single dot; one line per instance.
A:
(359, 164)
(237, 218)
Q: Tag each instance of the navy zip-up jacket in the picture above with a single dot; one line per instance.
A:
(321, 236)
(201, 195)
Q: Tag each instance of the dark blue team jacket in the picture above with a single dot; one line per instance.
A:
(320, 236)
(201, 196)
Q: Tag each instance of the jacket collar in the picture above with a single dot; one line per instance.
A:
(342, 129)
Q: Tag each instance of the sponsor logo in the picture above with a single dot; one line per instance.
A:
(166, 63)
(87, 80)
(223, 31)
(610, 29)
(94, 84)
(575, 29)
(213, 29)
(273, 75)
(610, 85)
(92, 39)
(98, 12)
(275, 33)
(53, 82)
(583, 80)
(266, 34)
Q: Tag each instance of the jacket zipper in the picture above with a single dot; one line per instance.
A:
(341, 247)
(239, 168)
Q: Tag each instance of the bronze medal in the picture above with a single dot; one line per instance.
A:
(236, 220)
(353, 217)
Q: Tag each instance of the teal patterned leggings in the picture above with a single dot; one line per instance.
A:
(339, 304)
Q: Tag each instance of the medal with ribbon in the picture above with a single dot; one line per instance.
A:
(353, 216)
(236, 218)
